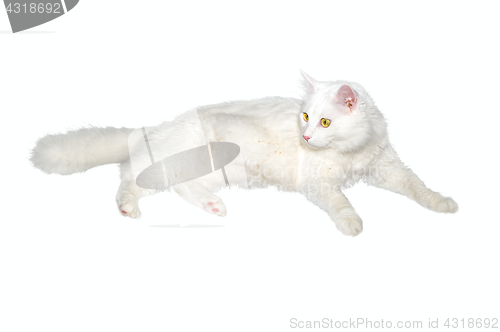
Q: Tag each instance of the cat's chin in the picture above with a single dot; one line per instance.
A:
(316, 146)
(339, 146)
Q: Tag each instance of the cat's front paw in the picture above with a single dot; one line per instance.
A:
(445, 205)
(349, 225)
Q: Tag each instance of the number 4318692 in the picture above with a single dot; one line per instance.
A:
(471, 323)
(34, 8)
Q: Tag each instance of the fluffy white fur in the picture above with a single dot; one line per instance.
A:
(270, 132)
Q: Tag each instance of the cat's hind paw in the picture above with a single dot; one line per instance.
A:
(129, 209)
(215, 207)
(349, 225)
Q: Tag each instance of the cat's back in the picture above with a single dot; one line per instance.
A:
(264, 109)
(260, 118)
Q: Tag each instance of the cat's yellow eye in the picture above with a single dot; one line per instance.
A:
(305, 116)
(325, 122)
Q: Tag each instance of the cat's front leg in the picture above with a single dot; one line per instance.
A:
(391, 174)
(333, 201)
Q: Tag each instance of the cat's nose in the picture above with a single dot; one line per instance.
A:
(307, 138)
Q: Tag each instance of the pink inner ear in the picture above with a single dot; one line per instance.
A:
(346, 96)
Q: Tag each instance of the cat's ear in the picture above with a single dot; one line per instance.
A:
(309, 83)
(347, 97)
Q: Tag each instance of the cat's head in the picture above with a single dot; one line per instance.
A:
(335, 115)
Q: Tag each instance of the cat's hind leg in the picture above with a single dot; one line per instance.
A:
(201, 197)
(129, 193)
(127, 199)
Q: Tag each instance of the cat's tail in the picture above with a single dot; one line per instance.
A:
(79, 150)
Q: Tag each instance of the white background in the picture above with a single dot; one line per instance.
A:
(70, 262)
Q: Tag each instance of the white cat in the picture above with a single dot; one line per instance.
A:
(330, 140)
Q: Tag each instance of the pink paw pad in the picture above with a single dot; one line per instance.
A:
(210, 203)
(215, 210)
